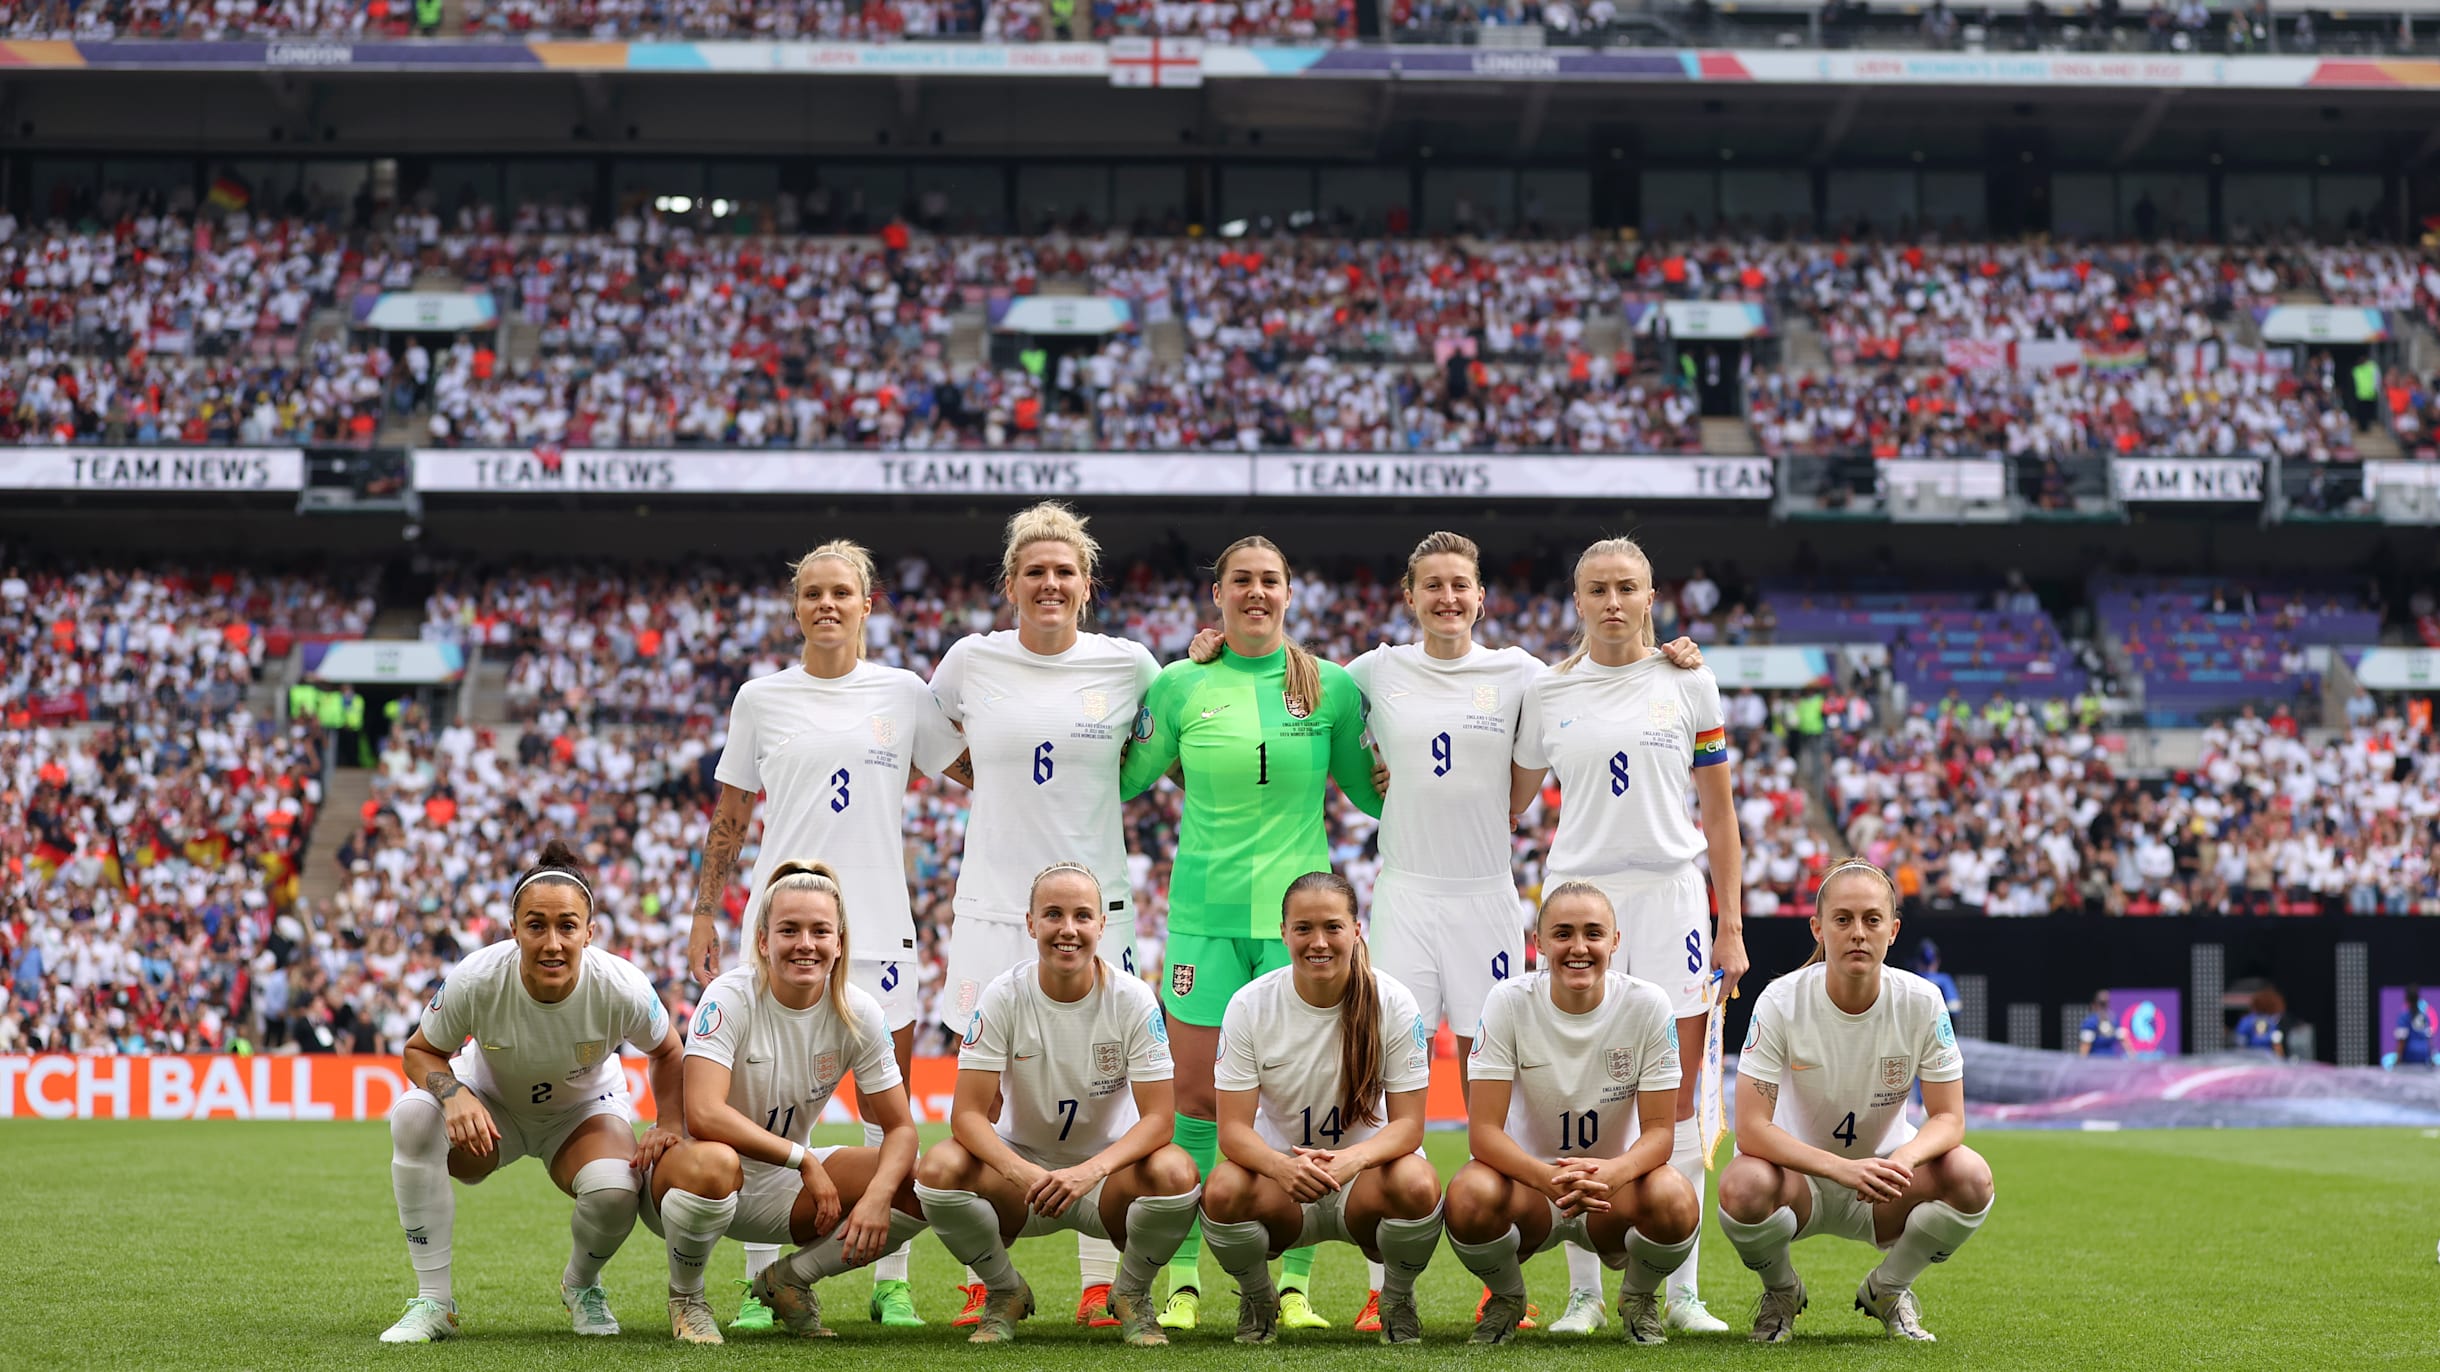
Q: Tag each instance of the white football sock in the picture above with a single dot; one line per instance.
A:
(1374, 1274)
(1406, 1249)
(1156, 1226)
(604, 1215)
(1096, 1261)
(419, 1176)
(692, 1226)
(822, 1257)
(1495, 1263)
(969, 1228)
(1244, 1251)
(1583, 1270)
(1650, 1263)
(1763, 1245)
(893, 1264)
(1686, 1155)
(1933, 1231)
(758, 1257)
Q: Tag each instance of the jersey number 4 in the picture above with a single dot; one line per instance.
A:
(1331, 1128)
(1845, 1133)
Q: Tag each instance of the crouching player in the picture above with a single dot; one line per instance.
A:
(1077, 1056)
(1823, 1145)
(1321, 1078)
(770, 1044)
(1568, 1064)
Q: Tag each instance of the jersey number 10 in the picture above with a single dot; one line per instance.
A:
(1579, 1129)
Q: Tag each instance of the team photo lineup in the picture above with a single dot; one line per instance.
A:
(1270, 1096)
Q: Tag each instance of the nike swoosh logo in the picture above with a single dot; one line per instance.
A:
(1800, 1067)
(1207, 714)
(495, 1047)
(1025, 1057)
(758, 1061)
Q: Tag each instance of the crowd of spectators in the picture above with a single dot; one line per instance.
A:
(854, 21)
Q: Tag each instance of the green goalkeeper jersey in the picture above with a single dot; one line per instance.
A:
(1255, 775)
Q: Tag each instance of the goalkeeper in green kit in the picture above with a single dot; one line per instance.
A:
(1256, 735)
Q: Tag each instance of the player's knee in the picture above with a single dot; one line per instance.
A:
(1965, 1180)
(1409, 1188)
(1169, 1171)
(707, 1169)
(1672, 1211)
(1477, 1204)
(1749, 1190)
(945, 1166)
(417, 1128)
(1228, 1194)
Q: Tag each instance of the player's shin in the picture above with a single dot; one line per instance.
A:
(893, 1264)
(1649, 1263)
(1201, 1140)
(1495, 1264)
(1406, 1249)
(1933, 1231)
(1686, 1155)
(1157, 1227)
(824, 1258)
(1244, 1252)
(419, 1175)
(1763, 1245)
(603, 1217)
(692, 1226)
(969, 1227)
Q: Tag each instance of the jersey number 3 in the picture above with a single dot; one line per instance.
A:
(839, 794)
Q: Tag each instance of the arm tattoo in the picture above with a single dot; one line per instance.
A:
(1768, 1090)
(719, 859)
(961, 771)
(442, 1085)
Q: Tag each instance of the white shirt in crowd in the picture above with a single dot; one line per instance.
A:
(784, 1065)
(1067, 1069)
(833, 755)
(1447, 728)
(540, 1060)
(1843, 1079)
(1576, 1076)
(1045, 732)
(1624, 743)
(1273, 1042)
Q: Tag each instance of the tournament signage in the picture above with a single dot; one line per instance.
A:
(2188, 479)
(151, 469)
(621, 472)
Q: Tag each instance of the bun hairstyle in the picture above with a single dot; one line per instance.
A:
(1050, 522)
(1101, 966)
(854, 555)
(1304, 676)
(1359, 1010)
(1622, 547)
(557, 866)
(797, 874)
(1852, 866)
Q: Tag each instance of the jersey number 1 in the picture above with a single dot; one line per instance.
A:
(1262, 763)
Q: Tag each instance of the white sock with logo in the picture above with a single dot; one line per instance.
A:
(691, 1225)
(419, 1177)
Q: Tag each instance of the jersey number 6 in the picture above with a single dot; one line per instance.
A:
(1042, 764)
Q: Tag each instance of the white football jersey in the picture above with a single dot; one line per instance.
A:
(1447, 729)
(1067, 1070)
(1576, 1076)
(1271, 1041)
(1843, 1079)
(1623, 743)
(1045, 734)
(833, 756)
(784, 1065)
(537, 1059)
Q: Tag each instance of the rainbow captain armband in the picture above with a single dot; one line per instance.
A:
(1711, 746)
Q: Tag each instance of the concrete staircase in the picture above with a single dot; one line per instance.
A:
(341, 815)
(523, 344)
(1801, 351)
(2378, 443)
(487, 693)
(969, 339)
(1167, 339)
(1729, 438)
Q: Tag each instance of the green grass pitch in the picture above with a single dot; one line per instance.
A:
(234, 1245)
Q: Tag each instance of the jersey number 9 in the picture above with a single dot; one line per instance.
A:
(1440, 755)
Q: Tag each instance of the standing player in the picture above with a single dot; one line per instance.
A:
(1823, 1145)
(1571, 1062)
(1443, 714)
(1045, 709)
(830, 741)
(534, 1024)
(771, 1042)
(1076, 1059)
(1322, 1071)
(2099, 1036)
(1629, 737)
(2412, 1037)
(1257, 735)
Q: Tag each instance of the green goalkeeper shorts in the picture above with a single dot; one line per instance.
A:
(1204, 972)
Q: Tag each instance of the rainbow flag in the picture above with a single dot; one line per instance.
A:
(1710, 747)
(2115, 357)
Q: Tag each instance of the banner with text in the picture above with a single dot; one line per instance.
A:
(151, 469)
(627, 473)
(2223, 479)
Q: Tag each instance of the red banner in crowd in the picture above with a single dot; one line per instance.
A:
(346, 1087)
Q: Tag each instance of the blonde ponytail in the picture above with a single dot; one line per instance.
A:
(1623, 547)
(817, 877)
